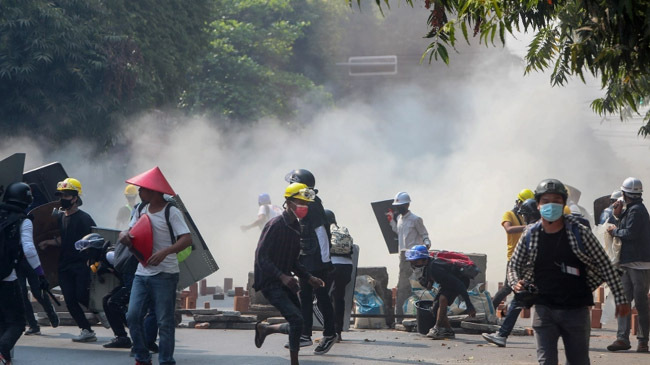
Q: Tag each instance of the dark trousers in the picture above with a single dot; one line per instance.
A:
(27, 275)
(501, 294)
(324, 302)
(342, 277)
(12, 316)
(116, 303)
(573, 325)
(285, 301)
(75, 285)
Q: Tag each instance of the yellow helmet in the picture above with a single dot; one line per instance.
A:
(525, 195)
(299, 191)
(70, 184)
(130, 190)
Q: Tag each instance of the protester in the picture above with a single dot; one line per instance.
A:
(410, 232)
(74, 274)
(276, 263)
(265, 213)
(156, 280)
(607, 216)
(451, 284)
(563, 262)
(18, 237)
(125, 212)
(634, 231)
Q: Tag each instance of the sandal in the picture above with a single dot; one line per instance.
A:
(259, 338)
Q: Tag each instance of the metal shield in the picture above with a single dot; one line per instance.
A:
(380, 209)
(599, 205)
(200, 263)
(11, 171)
(46, 226)
(46, 177)
(101, 286)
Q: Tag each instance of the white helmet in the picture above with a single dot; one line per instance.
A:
(402, 198)
(632, 185)
(615, 195)
(263, 199)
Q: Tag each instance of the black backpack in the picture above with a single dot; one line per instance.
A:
(11, 250)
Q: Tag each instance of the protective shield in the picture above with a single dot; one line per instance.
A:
(100, 285)
(599, 205)
(200, 263)
(142, 239)
(46, 177)
(11, 171)
(573, 193)
(380, 209)
(46, 226)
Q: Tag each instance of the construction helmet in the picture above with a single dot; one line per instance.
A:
(402, 198)
(416, 253)
(525, 195)
(18, 194)
(299, 191)
(551, 186)
(69, 185)
(263, 199)
(330, 217)
(616, 195)
(632, 185)
(301, 176)
(131, 190)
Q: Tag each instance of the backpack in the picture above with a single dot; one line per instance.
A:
(341, 242)
(463, 264)
(181, 256)
(10, 248)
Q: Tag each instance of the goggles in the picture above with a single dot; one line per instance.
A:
(64, 185)
(305, 194)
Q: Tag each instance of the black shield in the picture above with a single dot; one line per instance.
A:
(46, 226)
(11, 171)
(46, 177)
(380, 209)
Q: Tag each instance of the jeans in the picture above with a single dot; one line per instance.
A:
(403, 285)
(12, 316)
(342, 277)
(285, 301)
(160, 289)
(75, 286)
(573, 325)
(501, 294)
(25, 272)
(324, 303)
(511, 318)
(635, 284)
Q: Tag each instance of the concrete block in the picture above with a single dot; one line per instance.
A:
(241, 303)
(218, 297)
(276, 320)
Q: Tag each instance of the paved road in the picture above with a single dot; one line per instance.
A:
(198, 347)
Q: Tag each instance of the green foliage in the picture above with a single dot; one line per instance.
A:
(608, 39)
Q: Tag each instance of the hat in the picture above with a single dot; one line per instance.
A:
(142, 238)
(152, 180)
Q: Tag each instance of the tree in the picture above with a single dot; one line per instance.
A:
(608, 39)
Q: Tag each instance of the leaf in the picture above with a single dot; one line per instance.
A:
(442, 51)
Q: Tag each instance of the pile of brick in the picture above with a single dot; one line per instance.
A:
(215, 319)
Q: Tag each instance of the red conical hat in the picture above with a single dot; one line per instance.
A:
(152, 180)
(142, 238)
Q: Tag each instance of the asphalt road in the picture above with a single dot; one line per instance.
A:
(198, 347)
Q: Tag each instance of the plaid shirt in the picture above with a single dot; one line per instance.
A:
(593, 256)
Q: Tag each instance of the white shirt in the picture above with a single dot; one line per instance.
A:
(162, 239)
(410, 231)
(27, 241)
(269, 212)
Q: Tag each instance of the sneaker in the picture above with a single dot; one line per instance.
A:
(54, 319)
(102, 319)
(619, 345)
(304, 342)
(642, 346)
(441, 333)
(495, 339)
(33, 331)
(325, 344)
(85, 336)
(119, 342)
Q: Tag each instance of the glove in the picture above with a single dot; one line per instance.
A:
(43, 284)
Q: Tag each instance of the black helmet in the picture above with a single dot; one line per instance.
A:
(301, 176)
(529, 210)
(330, 217)
(19, 194)
(551, 186)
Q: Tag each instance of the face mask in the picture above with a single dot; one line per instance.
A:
(301, 211)
(66, 204)
(551, 211)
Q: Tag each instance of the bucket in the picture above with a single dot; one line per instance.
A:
(424, 315)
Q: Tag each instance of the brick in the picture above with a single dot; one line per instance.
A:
(206, 305)
(239, 291)
(525, 313)
(202, 325)
(241, 303)
(596, 314)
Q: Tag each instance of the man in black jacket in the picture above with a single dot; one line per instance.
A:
(634, 231)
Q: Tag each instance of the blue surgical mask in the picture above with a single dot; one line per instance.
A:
(551, 211)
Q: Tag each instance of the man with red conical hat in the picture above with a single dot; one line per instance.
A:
(157, 278)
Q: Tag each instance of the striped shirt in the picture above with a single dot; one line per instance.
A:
(277, 252)
(592, 255)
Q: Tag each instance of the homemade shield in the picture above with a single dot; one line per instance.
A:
(380, 209)
(11, 171)
(100, 285)
(46, 177)
(142, 239)
(599, 205)
(46, 226)
(200, 263)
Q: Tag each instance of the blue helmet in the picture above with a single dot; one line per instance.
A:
(417, 252)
